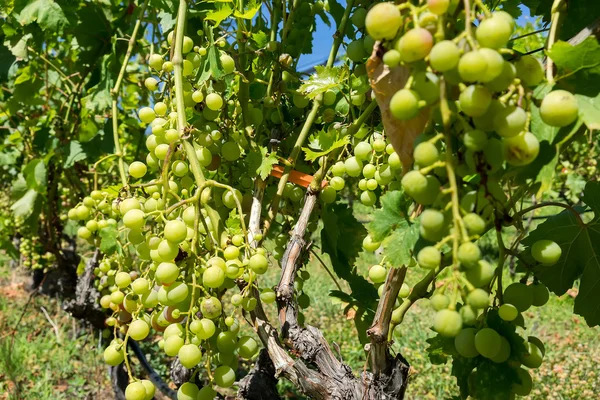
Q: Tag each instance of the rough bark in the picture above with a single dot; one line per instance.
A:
(260, 383)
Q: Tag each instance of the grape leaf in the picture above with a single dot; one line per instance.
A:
(324, 79)
(25, 205)
(439, 349)
(312, 155)
(220, 14)
(249, 11)
(108, 236)
(35, 175)
(259, 163)
(461, 369)
(47, 13)
(76, 153)
(215, 63)
(166, 20)
(580, 257)
(399, 246)
(579, 14)
(391, 215)
(492, 381)
(260, 38)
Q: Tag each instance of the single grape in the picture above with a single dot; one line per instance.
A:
(488, 342)
(203, 328)
(475, 100)
(546, 252)
(438, 7)
(404, 291)
(447, 323)
(495, 64)
(468, 315)
(504, 352)
(113, 356)
(268, 296)
(541, 295)
(353, 166)
(519, 295)
(363, 150)
(439, 301)
(206, 393)
(356, 51)
(383, 21)
(464, 343)
(358, 17)
(475, 140)
(258, 263)
(481, 274)
(369, 245)
(167, 272)
(214, 101)
(529, 70)
(150, 389)
(134, 219)
(432, 221)
(227, 63)
(504, 80)
(247, 347)
(469, 254)
(414, 183)
(337, 183)
(188, 391)
(559, 108)
(426, 154)
(521, 150)
(405, 104)
(429, 257)
(510, 121)
(155, 61)
(415, 45)
(478, 299)
(494, 32)
(377, 273)
(444, 56)
(508, 312)
(211, 307)
(138, 329)
(224, 376)
(368, 198)
(472, 66)
(146, 114)
(474, 223)
(135, 391)
(392, 58)
(213, 277)
(175, 231)
(525, 383)
(137, 169)
(189, 355)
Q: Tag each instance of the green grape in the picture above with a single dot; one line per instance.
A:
(187, 391)
(474, 223)
(383, 21)
(203, 328)
(180, 168)
(189, 355)
(368, 43)
(353, 166)
(135, 391)
(300, 100)
(113, 356)
(508, 312)
(206, 393)
(188, 44)
(211, 307)
(529, 70)
(414, 183)
(161, 151)
(177, 292)
(167, 250)
(227, 63)
(368, 198)
(151, 84)
(426, 154)
(356, 51)
(559, 108)
(138, 329)
(541, 295)
(127, 205)
(468, 254)
(504, 352)
(146, 114)
(488, 342)
(231, 253)
(392, 58)
(258, 263)
(444, 56)
(84, 233)
(432, 222)
(429, 257)
(134, 219)
(137, 169)
(369, 244)
(533, 357)
(427, 87)
(214, 101)
(394, 161)
(494, 32)
(160, 108)
(475, 140)
(213, 277)
(150, 299)
(478, 299)
(268, 296)
(415, 44)
(167, 272)
(510, 121)
(230, 151)
(377, 273)
(338, 169)
(379, 145)
(405, 104)
(155, 61)
(475, 100)
(525, 383)
(447, 323)
(438, 7)
(519, 295)
(362, 151)
(521, 150)
(224, 376)
(439, 301)
(504, 80)
(247, 347)
(472, 66)
(175, 231)
(172, 345)
(358, 17)
(227, 342)
(480, 274)
(150, 389)
(468, 315)
(337, 183)
(495, 64)
(546, 252)
(464, 343)
(404, 291)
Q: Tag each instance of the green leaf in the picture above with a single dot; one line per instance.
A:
(25, 205)
(260, 38)
(167, 20)
(341, 239)
(324, 79)
(233, 223)
(492, 381)
(7, 60)
(36, 175)
(461, 369)
(311, 155)
(47, 13)
(391, 215)
(215, 63)
(439, 349)
(109, 242)
(399, 246)
(261, 163)
(219, 14)
(580, 257)
(76, 153)
(249, 11)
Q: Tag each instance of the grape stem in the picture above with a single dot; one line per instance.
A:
(468, 25)
(552, 36)
(501, 259)
(115, 95)
(551, 204)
